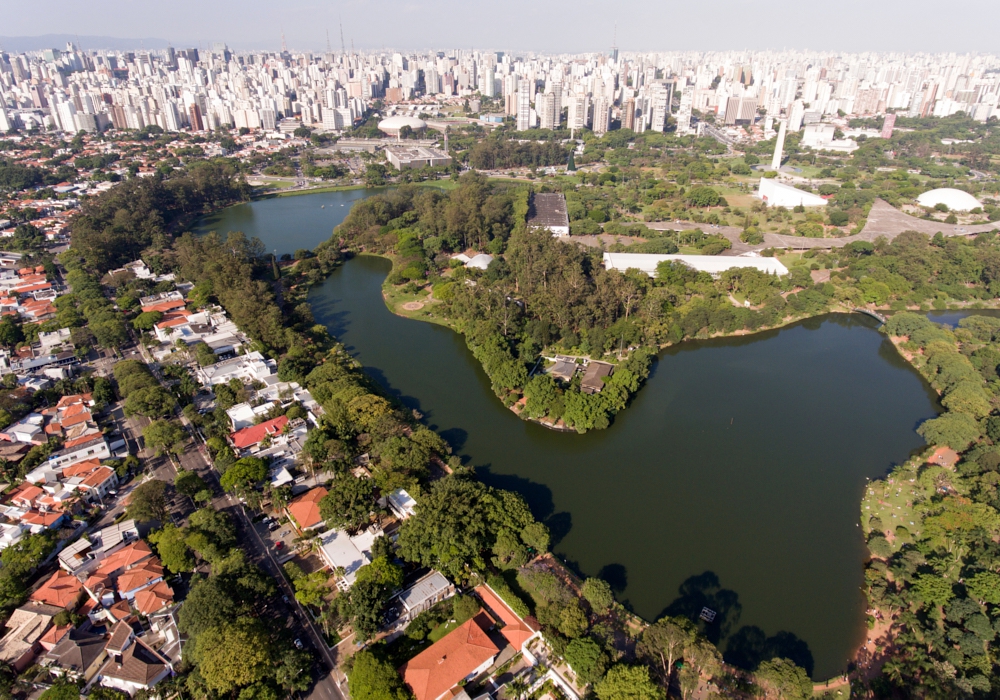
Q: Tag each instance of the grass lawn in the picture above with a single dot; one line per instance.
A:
(809, 171)
(441, 630)
(448, 184)
(314, 190)
(790, 259)
(892, 501)
(273, 182)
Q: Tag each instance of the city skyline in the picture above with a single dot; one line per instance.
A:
(522, 26)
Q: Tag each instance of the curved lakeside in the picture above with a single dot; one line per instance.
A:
(736, 474)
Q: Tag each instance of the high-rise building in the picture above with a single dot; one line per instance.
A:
(661, 94)
(796, 116)
(628, 114)
(577, 112)
(684, 113)
(602, 116)
(523, 109)
(194, 117)
(545, 109)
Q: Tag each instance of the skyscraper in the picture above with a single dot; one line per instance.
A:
(545, 108)
(523, 109)
(661, 95)
(628, 114)
(602, 116)
(194, 116)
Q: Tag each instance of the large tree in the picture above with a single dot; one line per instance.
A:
(148, 501)
(628, 683)
(371, 678)
(234, 655)
(349, 503)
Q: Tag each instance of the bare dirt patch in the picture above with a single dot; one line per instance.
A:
(413, 306)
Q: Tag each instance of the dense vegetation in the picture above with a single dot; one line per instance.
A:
(932, 529)
(114, 228)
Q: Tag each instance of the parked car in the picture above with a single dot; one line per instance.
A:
(279, 544)
(298, 644)
(273, 526)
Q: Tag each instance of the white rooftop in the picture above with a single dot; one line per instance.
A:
(712, 264)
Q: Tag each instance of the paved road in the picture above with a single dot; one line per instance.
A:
(332, 685)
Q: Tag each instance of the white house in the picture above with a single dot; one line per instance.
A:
(246, 368)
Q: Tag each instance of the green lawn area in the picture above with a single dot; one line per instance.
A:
(790, 259)
(892, 500)
(274, 182)
(441, 630)
(440, 184)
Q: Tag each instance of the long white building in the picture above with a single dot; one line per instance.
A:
(714, 265)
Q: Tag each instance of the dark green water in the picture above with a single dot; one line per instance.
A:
(733, 481)
(286, 224)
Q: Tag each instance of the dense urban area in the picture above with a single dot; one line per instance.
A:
(205, 495)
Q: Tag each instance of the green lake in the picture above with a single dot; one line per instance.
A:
(732, 481)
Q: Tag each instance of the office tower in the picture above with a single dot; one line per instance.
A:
(602, 116)
(5, 122)
(523, 109)
(779, 145)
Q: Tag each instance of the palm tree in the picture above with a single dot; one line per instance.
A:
(518, 688)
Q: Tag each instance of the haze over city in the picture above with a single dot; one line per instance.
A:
(524, 25)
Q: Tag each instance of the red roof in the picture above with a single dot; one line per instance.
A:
(305, 508)
(128, 556)
(154, 598)
(437, 669)
(515, 630)
(255, 433)
(164, 306)
(61, 590)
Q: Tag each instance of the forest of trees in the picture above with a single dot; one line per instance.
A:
(115, 227)
(935, 567)
(542, 294)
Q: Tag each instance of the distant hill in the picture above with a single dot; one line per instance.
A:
(17, 44)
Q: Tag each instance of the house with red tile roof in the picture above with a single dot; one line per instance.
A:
(517, 631)
(460, 655)
(304, 509)
(60, 590)
(154, 598)
(249, 438)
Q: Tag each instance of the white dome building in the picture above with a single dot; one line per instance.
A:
(955, 200)
(392, 125)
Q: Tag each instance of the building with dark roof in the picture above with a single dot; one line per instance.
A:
(548, 210)
(78, 655)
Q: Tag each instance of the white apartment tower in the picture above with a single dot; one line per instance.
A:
(661, 95)
(545, 108)
(523, 110)
(602, 116)
(578, 108)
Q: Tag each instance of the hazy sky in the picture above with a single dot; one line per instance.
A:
(519, 25)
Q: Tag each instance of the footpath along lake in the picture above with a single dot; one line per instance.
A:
(733, 480)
